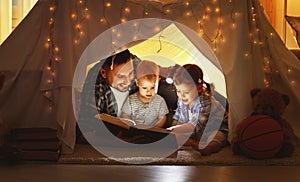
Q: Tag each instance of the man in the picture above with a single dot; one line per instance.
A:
(114, 83)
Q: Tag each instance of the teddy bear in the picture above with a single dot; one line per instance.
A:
(270, 102)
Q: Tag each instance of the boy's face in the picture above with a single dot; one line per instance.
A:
(186, 92)
(121, 76)
(147, 89)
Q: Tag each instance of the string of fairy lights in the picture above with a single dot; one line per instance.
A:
(79, 16)
(200, 12)
(53, 52)
(259, 40)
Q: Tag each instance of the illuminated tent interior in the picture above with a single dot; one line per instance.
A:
(42, 54)
(169, 47)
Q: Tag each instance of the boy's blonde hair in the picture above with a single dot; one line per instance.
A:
(147, 70)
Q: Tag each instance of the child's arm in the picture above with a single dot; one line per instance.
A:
(161, 122)
(174, 122)
(124, 115)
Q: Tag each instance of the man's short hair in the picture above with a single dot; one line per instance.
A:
(117, 59)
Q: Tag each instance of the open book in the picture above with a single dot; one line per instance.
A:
(128, 124)
(137, 133)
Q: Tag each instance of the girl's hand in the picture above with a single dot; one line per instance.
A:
(172, 128)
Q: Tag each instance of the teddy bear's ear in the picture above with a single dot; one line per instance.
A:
(254, 92)
(285, 99)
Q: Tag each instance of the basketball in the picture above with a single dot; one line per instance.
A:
(260, 137)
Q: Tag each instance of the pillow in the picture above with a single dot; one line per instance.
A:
(295, 24)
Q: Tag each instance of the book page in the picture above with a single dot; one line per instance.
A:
(127, 123)
(149, 128)
(121, 122)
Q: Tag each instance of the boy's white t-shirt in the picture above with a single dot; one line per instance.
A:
(120, 98)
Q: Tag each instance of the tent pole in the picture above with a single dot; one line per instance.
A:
(284, 24)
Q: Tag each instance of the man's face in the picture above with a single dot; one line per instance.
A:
(121, 76)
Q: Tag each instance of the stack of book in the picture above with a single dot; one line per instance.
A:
(35, 143)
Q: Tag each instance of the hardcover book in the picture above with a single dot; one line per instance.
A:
(130, 129)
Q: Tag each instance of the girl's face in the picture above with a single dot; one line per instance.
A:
(187, 92)
(147, 89)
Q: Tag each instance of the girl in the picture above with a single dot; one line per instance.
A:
(198, 112)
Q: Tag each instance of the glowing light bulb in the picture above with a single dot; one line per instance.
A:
(51, 8)
(102, 20)
(46, 45)
(201, 32)
(188, 13)
(76, 42)
(233, 25)
(57, 58)
(208, 9)
(108, 4)
(127, 10)
(219, 20)
(156, 29)
(293, 83)
(73, 16)
(51, 21)
(78, 26)
(123, 20)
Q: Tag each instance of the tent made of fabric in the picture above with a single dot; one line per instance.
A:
(42, 54)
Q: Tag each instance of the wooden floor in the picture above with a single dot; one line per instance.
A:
(149, 173)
